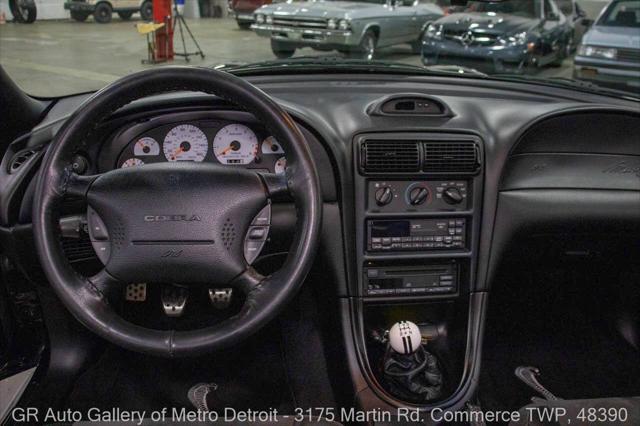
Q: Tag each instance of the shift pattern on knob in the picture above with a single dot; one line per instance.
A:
(405, 337)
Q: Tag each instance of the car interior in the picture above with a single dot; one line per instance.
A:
(337, 244)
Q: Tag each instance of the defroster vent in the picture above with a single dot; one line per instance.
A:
(390, 157)
(450, 157)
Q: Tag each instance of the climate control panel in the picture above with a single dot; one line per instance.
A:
(417, 196)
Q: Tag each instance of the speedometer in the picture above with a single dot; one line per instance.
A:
(185, 143)
(235, 144)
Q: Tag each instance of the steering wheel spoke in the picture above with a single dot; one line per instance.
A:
(248, 280)
(106, 284)
(78, 185)
(277, 186)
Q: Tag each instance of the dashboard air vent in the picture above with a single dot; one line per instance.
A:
(451, 157)
(19, 159)
(390, 157)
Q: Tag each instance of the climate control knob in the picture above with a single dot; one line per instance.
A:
(452, 195)
(383, 196)
(418, 195)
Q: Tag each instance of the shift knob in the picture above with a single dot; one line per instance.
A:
(405, 337)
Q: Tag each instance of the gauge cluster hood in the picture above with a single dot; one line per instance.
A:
(489, 23)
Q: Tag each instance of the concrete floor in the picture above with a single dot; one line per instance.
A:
(52, 58)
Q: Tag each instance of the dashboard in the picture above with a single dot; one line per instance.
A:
(208, 138)
(400, 230)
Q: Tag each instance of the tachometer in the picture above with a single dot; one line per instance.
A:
(146, 146)
(131, 162)
(185, 143)
(235, 144)
(271, 146)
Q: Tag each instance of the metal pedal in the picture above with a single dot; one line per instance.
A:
(174, 299)
(220, 297)
(136, 292)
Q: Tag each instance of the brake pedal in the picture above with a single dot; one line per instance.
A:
(136, 292)
(528, 375)
(220, 297)
(174, 299)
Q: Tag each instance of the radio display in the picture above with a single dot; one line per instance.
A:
(390, 228)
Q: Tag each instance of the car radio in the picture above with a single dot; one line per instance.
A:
(416, 234)
(417, 280)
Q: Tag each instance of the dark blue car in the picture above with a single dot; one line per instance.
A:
(505, 36)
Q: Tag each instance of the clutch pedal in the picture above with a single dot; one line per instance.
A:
(220, 297)
(174, 299)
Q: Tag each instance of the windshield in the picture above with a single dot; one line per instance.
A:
(622, 14)
(63, 47)
(525, 8)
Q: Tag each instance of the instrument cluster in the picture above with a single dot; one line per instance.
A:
(228, 143)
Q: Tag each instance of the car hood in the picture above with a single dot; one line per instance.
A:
(613, 37)
(317, 9)
(489, 23)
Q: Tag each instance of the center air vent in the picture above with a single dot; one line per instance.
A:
(450, 157)
(390, 157)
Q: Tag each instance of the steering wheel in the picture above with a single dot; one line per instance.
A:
(205, 211)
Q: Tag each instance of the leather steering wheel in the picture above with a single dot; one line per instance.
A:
(210, 207)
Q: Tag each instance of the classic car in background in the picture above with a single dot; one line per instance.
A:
(500, 36)
(102, 10)
(610, 50)
(242, 10)
(355, 27)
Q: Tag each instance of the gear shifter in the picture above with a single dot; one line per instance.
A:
(411, 372)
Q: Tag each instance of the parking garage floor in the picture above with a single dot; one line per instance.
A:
(51, 58)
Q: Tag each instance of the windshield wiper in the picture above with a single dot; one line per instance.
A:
(584, 86)
(337, 63)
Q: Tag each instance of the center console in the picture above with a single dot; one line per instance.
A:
(417, 211)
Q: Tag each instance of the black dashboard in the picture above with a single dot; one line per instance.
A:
(418, 208)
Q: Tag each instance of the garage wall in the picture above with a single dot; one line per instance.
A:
(54, 9)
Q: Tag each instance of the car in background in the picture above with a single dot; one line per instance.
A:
(354, 27)
(513, 36)
(102, 10)
(610, 50)
(242, 10)
(577, 18)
